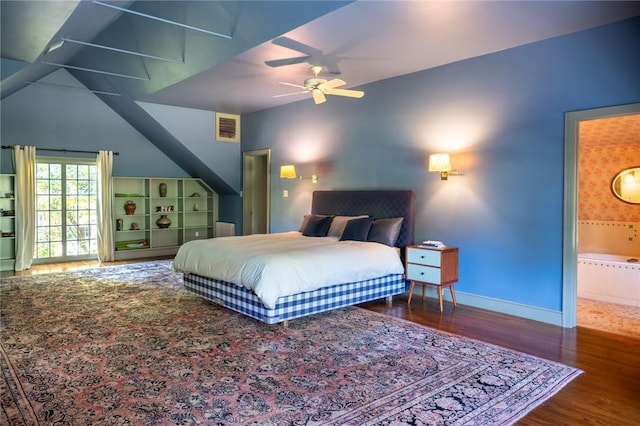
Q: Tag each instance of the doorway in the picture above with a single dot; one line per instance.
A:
(570, 207)
(256, 192)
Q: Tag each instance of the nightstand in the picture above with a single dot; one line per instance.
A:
(432, 266)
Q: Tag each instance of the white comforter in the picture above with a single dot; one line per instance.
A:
(282, 264)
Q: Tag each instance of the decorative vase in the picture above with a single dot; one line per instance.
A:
(130, 207)
(163, 222)
(162, 188)
(196, 207)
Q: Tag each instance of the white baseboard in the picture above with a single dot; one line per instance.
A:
(502, 306)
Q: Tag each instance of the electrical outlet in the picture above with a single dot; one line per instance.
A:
(285, 193)
(197, 234)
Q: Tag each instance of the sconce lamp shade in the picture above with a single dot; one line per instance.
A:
(288, 171)
(440, 163)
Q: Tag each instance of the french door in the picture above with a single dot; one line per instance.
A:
(66, 201)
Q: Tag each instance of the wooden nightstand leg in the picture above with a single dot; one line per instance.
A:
(424, 291)
(440, 296)
(453, 295)
(413, 284)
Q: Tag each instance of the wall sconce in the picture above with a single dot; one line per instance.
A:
(442, 163)
(288, 171)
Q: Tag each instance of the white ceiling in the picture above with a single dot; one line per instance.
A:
(368, 40)
(377, 40)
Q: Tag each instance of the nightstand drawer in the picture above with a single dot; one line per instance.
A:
(424, 257)
(423, 273)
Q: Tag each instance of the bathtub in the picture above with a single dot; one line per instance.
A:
(609, 278)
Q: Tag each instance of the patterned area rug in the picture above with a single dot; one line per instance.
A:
(126, 345)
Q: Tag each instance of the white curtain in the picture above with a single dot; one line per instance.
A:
(24, 160)
(106, 250)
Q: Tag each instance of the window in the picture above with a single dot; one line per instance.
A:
(66, 201)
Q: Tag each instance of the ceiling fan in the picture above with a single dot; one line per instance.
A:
(320, 87)
(311, 55)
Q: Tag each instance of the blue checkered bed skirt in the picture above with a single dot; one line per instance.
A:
(242, 300)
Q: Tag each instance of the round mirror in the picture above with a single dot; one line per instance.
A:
(626, 185)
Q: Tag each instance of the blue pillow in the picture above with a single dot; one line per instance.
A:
(356, 229)
(305, 220)
(385, 231)
(317, 226)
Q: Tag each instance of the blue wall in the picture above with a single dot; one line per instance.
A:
(49, 116)
(501, 116)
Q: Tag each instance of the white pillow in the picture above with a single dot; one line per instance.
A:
(338, 224)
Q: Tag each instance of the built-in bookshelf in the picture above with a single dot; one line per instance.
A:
(139, 203)
(7, 222)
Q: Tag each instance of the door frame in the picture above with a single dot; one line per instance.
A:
(249, 187)
(570, 203)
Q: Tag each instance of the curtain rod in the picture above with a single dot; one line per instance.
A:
(59, 150)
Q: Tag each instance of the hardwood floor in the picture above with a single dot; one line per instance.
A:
(72, 266)
(607, 393)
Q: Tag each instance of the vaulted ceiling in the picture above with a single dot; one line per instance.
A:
(222, 55)
(231, 56)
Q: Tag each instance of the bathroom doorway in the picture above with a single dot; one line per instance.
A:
(601, 131)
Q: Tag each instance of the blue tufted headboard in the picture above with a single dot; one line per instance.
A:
(377, 204)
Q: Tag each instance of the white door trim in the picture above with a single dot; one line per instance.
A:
(570, 203)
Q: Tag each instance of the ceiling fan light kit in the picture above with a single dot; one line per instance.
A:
(320, 87)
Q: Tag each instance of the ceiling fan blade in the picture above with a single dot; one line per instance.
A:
(287, 61)
(296, 45)
(331, 84)
(345, 92)
(318, 96)
(292, 85)
(290, 94)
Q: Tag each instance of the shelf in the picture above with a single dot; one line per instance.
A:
(178, 200)
(135, 244)
(8, 223)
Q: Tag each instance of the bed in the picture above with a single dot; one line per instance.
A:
(233, 271)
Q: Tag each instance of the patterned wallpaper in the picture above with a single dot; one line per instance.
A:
(606, 147)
